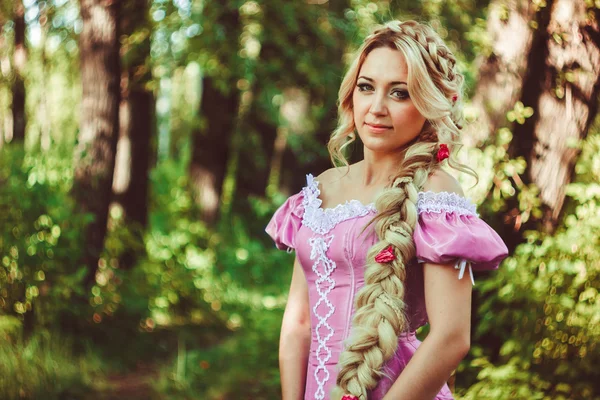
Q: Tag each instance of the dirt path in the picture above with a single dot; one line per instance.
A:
(135, 385)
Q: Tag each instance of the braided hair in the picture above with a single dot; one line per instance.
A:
(435, 88)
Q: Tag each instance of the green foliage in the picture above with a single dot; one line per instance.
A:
(40, 235)
(243, 366)
(543, 306)
(519, 113)
(178, 261)
(231, 282)
(44, 367)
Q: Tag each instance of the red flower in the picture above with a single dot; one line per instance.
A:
(454, 98)
(385, 256)
(443, 153)
(349, 397)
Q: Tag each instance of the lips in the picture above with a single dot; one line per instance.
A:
(379, 126)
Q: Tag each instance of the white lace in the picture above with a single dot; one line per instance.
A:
(439, 202)
(324, 284)
(321, 220)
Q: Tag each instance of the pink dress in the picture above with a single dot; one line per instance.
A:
(331, 250)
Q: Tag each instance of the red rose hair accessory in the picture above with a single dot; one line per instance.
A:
(443, 153)
(349, 397)
(385, 256)
(454, 98)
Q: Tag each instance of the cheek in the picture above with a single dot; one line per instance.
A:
(411, 116)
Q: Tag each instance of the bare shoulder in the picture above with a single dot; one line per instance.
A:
(442, 181)
(326, 176)
(334, 186)
(332, 176)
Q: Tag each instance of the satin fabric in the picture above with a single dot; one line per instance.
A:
(445, 237)
(286, 222)
(439, 237)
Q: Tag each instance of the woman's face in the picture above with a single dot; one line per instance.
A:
(384, 115)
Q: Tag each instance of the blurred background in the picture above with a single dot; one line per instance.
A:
(144, 145)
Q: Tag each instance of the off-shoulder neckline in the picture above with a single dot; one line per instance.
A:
(428, 201)
(322, 220)
(313, 183)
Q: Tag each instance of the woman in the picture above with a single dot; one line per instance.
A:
(368, 274)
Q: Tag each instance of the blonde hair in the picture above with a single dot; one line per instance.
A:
(435, 88)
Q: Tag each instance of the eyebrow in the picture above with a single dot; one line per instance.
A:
(391, 83)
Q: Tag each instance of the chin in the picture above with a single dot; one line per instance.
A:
(377, 143)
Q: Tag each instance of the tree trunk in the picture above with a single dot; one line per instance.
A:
(219, 104)
(256, 154)
(18, 88)
(130, 186)
(96, 148)
(211, 148)
(501, 73)
(562, 86)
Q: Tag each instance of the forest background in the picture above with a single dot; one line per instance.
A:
(144, 146)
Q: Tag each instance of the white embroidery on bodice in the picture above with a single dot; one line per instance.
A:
(323, 309)
(321, 221)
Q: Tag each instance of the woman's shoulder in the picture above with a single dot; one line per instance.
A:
(337, 185)
(441, 181)
(442, 193)
(334, 175)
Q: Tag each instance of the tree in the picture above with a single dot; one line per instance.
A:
(97, 142)
(546, 81)
(19, 61)
(562, 85)
(502, 68)
(137, 125)
(130, 186)
(218, 110)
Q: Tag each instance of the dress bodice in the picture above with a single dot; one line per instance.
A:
(331, 245)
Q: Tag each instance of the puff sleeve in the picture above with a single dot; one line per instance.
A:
(449, 229)
(286, 221)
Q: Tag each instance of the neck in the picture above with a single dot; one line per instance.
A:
(379, 168)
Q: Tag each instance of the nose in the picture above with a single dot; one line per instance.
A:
(378, 106)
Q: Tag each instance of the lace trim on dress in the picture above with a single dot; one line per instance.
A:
(321, 220)
(439, 202)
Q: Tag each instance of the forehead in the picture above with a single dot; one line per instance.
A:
(385, 65)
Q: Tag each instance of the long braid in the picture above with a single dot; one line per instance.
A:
(380, 316)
